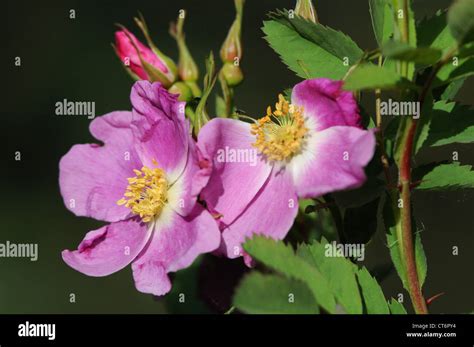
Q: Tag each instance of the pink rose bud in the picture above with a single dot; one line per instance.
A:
(231, 50)
(134, 55)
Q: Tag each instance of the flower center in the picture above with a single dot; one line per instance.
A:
(280, 134)
(146, 193)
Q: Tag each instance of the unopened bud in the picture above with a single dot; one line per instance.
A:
(187, 68)
(135, 55)
(232, 74)
(183, 90)
(232, 46)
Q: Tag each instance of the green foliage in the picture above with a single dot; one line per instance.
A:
(442, 47)
(433, 32)
(220, 106)
(368, 76)
(382, 20)
(420, 259)
(450, 91)
(311, 50)
(457, 68)
(391, 217)
(403, 52)
(273, 294)
(342, 281)
(448, 176)
(339, 272)
(281, 258)
(395, 307)
(373, 296)
(313, 222)
(461, 20)
(450, 123)
(424, 124)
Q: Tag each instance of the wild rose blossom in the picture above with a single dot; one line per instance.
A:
(144, 180)
(129, 49)
(305, 149)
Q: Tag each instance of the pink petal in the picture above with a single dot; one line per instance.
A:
(325, 104)
(175, 244)
(232, 184)
(151, 277)
(108, 249)
(160, 129)
(182, 195)
(271, 213)
(93, 178)
(334, 159)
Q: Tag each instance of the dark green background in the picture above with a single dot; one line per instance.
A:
(73, 59)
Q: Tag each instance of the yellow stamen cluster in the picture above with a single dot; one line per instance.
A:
(146, 193)
(280, 134)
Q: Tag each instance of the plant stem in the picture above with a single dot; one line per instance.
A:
(380, 140)
(405, 238)
(407, 249)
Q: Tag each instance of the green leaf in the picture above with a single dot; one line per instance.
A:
(420, 259)
(311, 50)
(382, 20)
(433, 32)
(281, 258)
(367, 121)
(391, 218)
(374, 298)
(396, 307)
(367, 76)
(466, 51)
(452, 89)
(448, 176)
(424, 123)
(338, 271)
(461, 20)
(450, 123)
(220, 106)
(335, 42)
(315, 222)
(458, 68)
(273, 294)
(403, 52)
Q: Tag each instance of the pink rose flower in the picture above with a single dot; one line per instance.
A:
(303, 150)
(144, 181)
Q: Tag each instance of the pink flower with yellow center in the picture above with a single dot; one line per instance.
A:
(144, 181)
(305, 149)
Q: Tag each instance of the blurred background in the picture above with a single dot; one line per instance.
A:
(73, 59)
